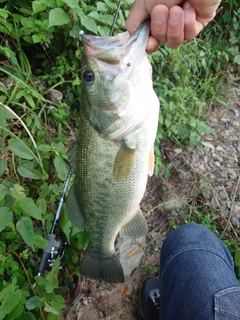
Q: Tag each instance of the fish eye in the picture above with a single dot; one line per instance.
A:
(88, 76)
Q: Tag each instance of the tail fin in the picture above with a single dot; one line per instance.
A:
(98, 267)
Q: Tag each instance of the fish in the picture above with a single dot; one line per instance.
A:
(114, 152)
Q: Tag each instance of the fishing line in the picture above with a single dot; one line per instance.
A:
(115, 17)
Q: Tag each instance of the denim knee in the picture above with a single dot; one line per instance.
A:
(196, 267)
(190, 237)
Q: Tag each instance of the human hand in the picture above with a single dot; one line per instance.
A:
(170, 22)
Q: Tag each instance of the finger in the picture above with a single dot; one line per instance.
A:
(159, 20)
(141, 11)
(175, 29)
(152, 45)
(192, 27)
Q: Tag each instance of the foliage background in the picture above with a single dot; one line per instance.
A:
(40, 51)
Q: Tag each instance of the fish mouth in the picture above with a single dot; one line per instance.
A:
(115, 50)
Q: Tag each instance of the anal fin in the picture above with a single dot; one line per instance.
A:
(73, 211)
(135, 228)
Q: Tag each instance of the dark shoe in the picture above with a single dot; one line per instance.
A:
(150, 298)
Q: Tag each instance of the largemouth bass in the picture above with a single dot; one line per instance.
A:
(114, 154)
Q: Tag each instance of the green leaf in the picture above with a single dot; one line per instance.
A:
(61, 168)
(73, 4)
(40, 242)
(20, 94)
(2, 166)
(11, 56)
(6, 291)
(16, 312)
(101, 6)
(60, 3)
(106, 19)
(27, 170)
(33, 302)
(42, 205)
(65, 224)
(28, 97)
(52, 276)
(195, 138)
(237, 258)
(17, 191)
(57, 17)
(49, 308)
(236, 59)
(44, 148)
(6, 114)
(57, 304)
(94, 15)
(9, 303)
(25, 228)
(4, 13)
(41, 284)
(110, 4)
(28, 316)
(207, 144)
(193, 122)
(89, 24)
(6, 217)
(71, 256)
(103, 31)
(18, 147)
(3, 191)
(30, 22)
(28, 205)
(82, 239)
(38, 6)
(3, 89)
(167, 122)
(203, 127)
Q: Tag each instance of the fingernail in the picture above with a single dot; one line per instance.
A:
(186, 5)
(174, 18)
(158, 16)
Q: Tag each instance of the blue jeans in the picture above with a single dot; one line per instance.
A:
(197, 277)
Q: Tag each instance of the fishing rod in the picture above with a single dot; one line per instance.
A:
(81, 32)
(54, 245)
(115, 17)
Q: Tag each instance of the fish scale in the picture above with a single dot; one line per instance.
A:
(114, 153)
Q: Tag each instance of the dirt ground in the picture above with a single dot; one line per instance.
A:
(200, 176)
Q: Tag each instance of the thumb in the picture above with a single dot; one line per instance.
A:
(137, 15)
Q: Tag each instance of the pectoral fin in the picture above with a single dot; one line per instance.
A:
(135, 228)
(72, 152)
(151, 162)
(124, 161)
(73, 211)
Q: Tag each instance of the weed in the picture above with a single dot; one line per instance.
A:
(151, 270)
